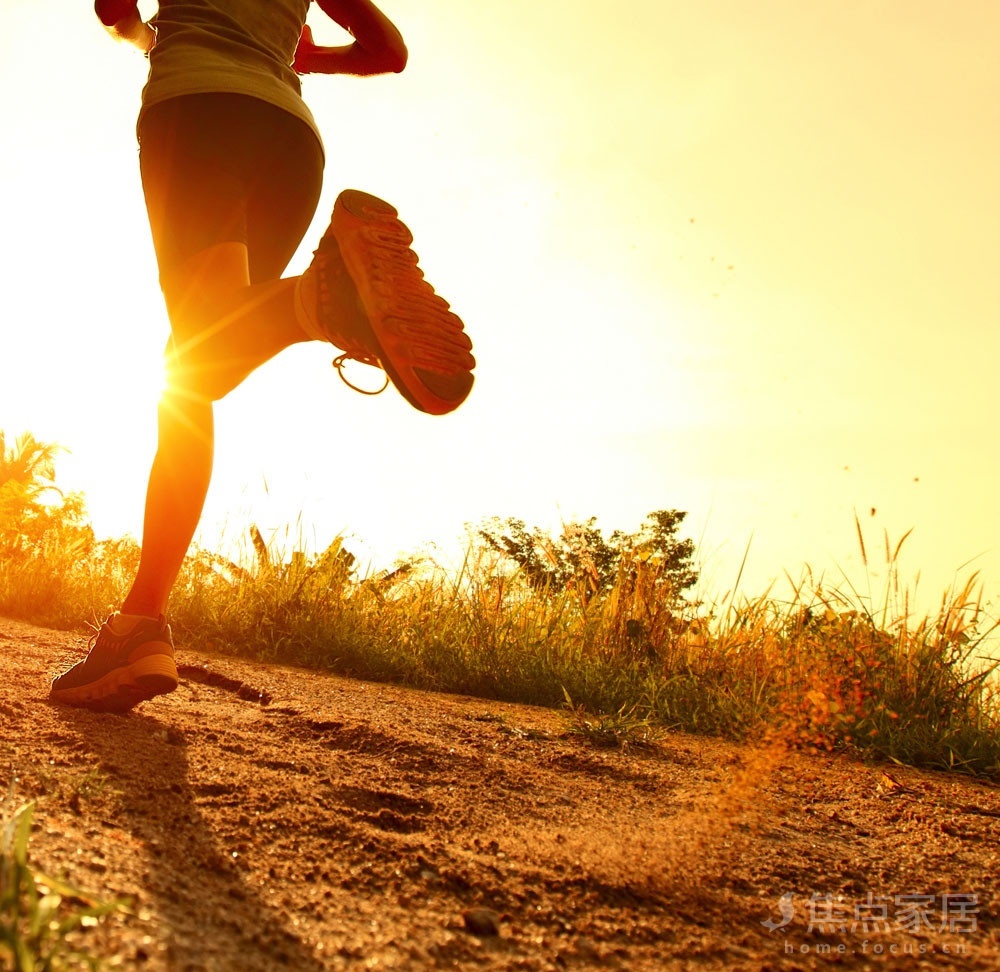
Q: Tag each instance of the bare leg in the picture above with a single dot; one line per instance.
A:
(223, 328)
(178, 485)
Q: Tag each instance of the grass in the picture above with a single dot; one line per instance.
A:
(829, 668)
(39, 915)
(624, 729)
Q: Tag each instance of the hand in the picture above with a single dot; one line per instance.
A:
(111, 12)
(377, 46)
(304, 53)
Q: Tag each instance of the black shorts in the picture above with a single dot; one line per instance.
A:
(223, 168)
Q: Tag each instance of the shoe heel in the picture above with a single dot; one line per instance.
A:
(155, 674)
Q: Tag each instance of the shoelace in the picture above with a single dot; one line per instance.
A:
(367, 359)
(97, 634)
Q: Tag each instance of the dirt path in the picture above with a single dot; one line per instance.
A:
(264, 817)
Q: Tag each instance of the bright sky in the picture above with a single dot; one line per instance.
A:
(733, 258)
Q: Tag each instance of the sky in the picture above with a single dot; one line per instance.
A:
(731, 258)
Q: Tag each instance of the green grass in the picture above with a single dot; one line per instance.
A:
(40, 916)
(829, 668)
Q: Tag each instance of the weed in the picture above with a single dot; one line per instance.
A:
(39, 914)
(624, 729)
(831, 667)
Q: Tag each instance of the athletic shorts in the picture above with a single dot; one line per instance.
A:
(226, 168)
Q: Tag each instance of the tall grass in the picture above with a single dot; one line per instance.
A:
(828, 667)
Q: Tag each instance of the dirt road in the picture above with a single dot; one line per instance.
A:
(263, 817)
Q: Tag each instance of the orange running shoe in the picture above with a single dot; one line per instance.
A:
(364, 263)
(131, 659)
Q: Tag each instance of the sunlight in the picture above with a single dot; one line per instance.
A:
(688, 283)
(88, 345)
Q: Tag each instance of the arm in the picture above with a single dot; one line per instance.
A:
(122, 20)
(378, 46)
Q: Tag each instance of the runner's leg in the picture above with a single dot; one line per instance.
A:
(228, 309)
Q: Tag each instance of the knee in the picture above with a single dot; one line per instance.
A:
(194, 382)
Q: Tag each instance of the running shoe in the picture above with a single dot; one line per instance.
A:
(131, 659)
(365, 294)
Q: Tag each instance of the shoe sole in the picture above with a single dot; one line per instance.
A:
(420, 343)
(123, 688)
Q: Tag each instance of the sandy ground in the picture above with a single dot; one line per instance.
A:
(264, 817)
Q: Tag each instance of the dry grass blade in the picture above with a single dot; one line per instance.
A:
(861, 539)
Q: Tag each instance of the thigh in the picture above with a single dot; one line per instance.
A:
(220, 168)
(282, 200)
